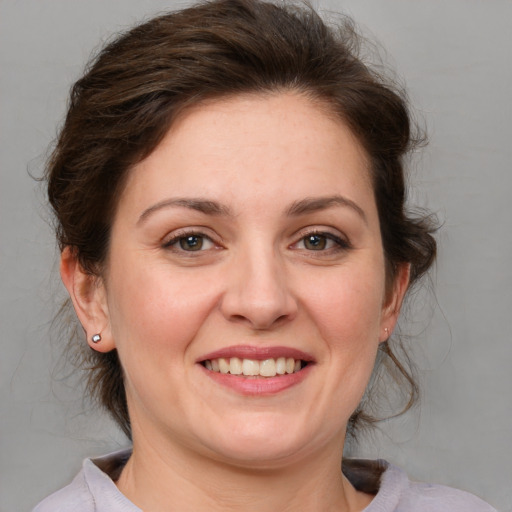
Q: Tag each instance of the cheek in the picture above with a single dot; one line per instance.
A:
(154, 316)
(348, 306)
(347, 312)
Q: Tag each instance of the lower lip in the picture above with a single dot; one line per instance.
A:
(258, 386)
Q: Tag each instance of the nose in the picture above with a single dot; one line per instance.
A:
(258, 291)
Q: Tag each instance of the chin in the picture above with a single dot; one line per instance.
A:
(254, 456)
(266, 444)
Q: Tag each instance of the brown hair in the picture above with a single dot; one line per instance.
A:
(134, 89)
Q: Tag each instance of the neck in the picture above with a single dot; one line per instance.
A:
(177, 479)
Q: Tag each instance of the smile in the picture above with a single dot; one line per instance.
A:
(255, 370)
(270, 367)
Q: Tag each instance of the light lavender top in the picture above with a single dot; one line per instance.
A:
(93, 490)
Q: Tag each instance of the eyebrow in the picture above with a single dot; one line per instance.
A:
(201, 205)
(314, 204)
(208, 207)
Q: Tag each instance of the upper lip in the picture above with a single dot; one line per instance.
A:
(257, 353)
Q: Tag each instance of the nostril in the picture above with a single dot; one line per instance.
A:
(281, 319)
(259, 320)
(239, 318)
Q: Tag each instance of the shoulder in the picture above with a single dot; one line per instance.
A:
(420, 497)
(74, 497)
(92, 490)
(430, 498)
(394, 492)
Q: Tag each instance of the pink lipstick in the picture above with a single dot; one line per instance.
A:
(253, 370)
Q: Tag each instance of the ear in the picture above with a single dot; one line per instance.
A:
(393, 301)
(88, 294)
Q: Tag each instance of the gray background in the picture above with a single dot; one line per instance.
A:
(456, 58)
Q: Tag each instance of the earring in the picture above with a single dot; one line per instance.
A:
(386, 330)
(96, 338)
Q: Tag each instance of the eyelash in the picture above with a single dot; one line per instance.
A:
(340, 243)
(183, 235)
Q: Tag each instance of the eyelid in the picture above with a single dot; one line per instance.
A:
(172, 238)
(342, 241)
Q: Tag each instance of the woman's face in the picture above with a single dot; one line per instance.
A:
(248, 242)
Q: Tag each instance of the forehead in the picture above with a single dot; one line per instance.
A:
(253, 145)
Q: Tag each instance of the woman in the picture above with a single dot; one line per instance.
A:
(229, 192)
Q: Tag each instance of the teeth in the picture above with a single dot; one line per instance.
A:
(223, 365)
(268, 368)
(251, 367)
(235, 366)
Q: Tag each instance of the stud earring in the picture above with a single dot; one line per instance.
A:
(96, 338)
(386, 330)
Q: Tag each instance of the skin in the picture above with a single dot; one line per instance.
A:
(256, 282)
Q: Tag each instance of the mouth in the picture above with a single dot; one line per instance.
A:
(257, 371)
(255, 362)
(266, 368)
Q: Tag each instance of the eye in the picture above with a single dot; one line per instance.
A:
(322, 242)
(316, 242)
(190, 242)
